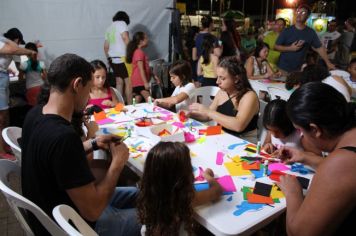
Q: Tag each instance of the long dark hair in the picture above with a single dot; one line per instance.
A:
(34, 62)
(275, 115)
(133, 45)
(314, 73)
(183, 70)
(237, 70)
(209, 42)
(165, 201)
(97, 65)
(322, 105)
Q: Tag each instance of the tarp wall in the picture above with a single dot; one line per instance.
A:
(78, 26)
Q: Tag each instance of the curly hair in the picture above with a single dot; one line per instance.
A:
(166, 190)
(237, 71)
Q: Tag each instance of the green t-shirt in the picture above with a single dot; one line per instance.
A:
(273, 55)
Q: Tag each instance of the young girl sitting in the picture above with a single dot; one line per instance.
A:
(140, 76)
(281, 131)
(101, 94)
(182, 96)
(167, 196)
(35, 74)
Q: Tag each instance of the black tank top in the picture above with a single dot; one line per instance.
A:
(227, 108)
(348, 225)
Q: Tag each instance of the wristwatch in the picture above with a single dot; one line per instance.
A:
(94, 145)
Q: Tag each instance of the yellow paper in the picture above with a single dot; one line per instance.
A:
(202, 139)
(275, 193)
(112, 111)
(235, 169)
(192, 154)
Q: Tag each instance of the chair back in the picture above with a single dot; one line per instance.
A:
(261, 131)
(118, 95)
(276, 93)
(11, 136)
(18, 203)
(206, 94)
(63, 213)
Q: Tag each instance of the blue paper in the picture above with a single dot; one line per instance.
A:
(245, 206)
(229, 199)
(260, 173)
(233, 146)
(201, 187)
(298, 167)
(137, 144)
(193, 123)
(227, 193)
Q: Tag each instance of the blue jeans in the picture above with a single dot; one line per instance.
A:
(4, 90)
(120, 216)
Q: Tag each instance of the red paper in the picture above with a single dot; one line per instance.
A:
(255, 198)
(213, 130)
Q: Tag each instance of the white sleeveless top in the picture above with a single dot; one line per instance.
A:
(338, 86)
(293, 140)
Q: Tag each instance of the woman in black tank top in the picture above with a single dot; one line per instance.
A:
(236, 105)
(328, 122)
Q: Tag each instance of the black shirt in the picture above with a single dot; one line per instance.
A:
(53, 160)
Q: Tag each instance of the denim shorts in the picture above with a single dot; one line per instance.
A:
(4, 90)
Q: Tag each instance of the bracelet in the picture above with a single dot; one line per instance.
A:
(94, 145)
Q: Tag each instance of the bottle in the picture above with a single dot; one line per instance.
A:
(134, 101)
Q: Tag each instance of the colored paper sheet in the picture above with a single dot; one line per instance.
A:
(254, 198)
(202, 139)
(193, 123)
(235, 169)
(276, 193)
(119, 107)
(201, 186)
(99, 116)
(245, 206)
(262, 189)
(229, 199)
(275, 175)
(219, 158)
(202, 132)
(112, 111)
(105, 121)
(276, 200)
(277, 167)
(192, 154)
(233, 146)
(137, 144)
(246, 190)
(227, 183)
(200, 176)
(251, 166)
(188, 137)
(178, 124)
(166, 118)
(260, 173)
(213, 130)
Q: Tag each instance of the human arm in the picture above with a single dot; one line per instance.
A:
(199, 68)
(92, 199)
(171, 101)
(333, 186)
(322, 53)
(211, 194)
(125, 37)
(267, 145)
(143, 74)
(291, 155)
(291, 48)
(250, 71)
(103, 142)
(12, 48)
(194, 54)
(195, 109)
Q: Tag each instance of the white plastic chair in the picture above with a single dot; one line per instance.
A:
(10, 136)
(118, 95)
(205, 94)
(261, 131)
(63, 213)
(276, 93)
(18, 203)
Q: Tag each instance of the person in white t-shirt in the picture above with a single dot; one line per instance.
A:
(183, 94)
(330, 39)
(116, 40)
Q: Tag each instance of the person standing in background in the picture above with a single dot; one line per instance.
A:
(116, 40)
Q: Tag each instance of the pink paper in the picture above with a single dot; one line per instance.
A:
(166, 118)
(188, 137)
(277, 166)
(105, 121)
(178, 124)
(226, 183)
(200, 177)
(219, 158)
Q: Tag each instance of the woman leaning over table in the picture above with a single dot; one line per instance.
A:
(328, 122)
(235, 106)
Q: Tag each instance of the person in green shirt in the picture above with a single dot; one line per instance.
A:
(271, 38)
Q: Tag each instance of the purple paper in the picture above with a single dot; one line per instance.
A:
(226, 183)
(178, 124)
(277, 167)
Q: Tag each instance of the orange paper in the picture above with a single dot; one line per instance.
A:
(99, 116)
(251, 166)
(119, 107)
(255, 198)
(213, 130)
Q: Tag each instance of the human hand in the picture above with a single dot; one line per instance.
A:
(108, 103)
(297, 45)
(290, 185)
(158, 80)
(147, 86)
(215, 188)
(290, 155)
(268, 147)
(331, 66)
(208, 174)
(120, 153)
(103, 141)
(198, 108)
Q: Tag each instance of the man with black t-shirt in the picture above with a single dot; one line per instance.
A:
(54, 165)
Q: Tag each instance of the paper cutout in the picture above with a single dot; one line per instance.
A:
(227, 183)
(201, 187)
(275, 175)
(105, 121)
(163, 133)
(254, 198)
(137, 144)
(119, 107)
(276, 200)
(235, 169)
(251, 166)
(233, 146)
(112, 112)
(200, 177)
(303, 181)
(246, 190)
(178, 124)
(245, 206)
(262, 189)
(261, 172)
(165, 118)
(300, 168)
(202, 132)
(182, 116)
(276, 193)
(99, 116)
(188, 137)
(213, 130)
(192, 154)
(227, 193)
(219, 158)
(193, 123)
(277, 167)
(229, 199)
(202, 139)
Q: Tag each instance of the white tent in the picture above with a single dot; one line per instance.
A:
(78, 26)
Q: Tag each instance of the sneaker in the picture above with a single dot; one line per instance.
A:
(7, 156)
